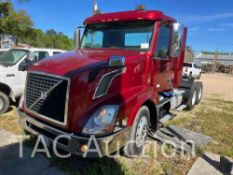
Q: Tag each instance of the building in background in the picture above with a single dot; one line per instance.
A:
(189, 55)
(210, 58)
(7, 41)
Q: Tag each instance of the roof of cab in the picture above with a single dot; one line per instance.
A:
(128, 16)
(39, 49)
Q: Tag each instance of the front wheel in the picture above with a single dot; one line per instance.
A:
(4, 103)
(138, 134)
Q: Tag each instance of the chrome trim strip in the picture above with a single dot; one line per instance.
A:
(66, 102)
(122, 72)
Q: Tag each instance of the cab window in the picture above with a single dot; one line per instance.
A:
(39, 55)
(163, 44)
(196, 66)
(56, 53)
(187, 65)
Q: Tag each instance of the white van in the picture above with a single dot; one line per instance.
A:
(2, 51)
(13, 66)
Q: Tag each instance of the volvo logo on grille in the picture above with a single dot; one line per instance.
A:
(43, 95)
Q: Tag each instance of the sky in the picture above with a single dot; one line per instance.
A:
(210, 22)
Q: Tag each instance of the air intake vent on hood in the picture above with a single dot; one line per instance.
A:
(105, 82)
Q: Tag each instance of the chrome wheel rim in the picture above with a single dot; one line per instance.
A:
(194, 97)
(1, 104)
(141, 132)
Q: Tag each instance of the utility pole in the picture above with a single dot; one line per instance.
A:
(215, 63)
(95, 7)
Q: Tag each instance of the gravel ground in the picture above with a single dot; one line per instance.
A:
(218, 86)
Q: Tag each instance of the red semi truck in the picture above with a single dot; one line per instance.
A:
(121, 82)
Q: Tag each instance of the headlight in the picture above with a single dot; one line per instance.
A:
(102, 121)
(21, 102)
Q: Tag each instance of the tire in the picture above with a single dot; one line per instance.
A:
(191, 101)
(199, 77)
(190, 76)
(4, 102)
(199, 92)
(138, 134)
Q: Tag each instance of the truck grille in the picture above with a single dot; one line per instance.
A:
(47, 96)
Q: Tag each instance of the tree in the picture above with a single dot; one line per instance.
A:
(12, 22)
(19, 24)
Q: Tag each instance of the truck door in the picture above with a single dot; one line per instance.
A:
(163, 65)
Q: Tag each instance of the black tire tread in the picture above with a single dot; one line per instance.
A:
(132, 150)
(6, 101)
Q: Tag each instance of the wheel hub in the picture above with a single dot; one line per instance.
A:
(1, 104)
(194, 97)
(141, 132)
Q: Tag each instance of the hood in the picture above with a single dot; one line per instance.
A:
(82, 66)
(63, 64)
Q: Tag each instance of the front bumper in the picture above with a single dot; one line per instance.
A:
(72, 143)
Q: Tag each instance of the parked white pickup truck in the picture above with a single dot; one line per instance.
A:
(13, 66)
(191, 70)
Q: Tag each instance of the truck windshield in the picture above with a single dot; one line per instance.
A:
(12, 56)
(119, 35)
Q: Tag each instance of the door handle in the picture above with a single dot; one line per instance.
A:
(10, 75)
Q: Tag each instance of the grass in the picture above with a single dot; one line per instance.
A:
(9, 122)
(213, 117)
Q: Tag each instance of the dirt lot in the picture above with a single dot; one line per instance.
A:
(212, 117)
(218, 86)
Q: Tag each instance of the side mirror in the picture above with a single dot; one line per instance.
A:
(30, 57)
(22, 67)
(117, 61)
(77, 40)
(177, 39)
(28, 61)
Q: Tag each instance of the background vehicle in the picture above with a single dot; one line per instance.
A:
(191, 70)
(13, 66)
(3, 51)
(123, 80)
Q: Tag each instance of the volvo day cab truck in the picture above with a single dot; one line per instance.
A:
(123, 78)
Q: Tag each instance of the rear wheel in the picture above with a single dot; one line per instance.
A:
(190, 76)
(138, 134)
(191, 101)
(199, 92)
(199, 77)
(4, 102)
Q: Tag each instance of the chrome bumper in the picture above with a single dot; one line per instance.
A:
(107, 144)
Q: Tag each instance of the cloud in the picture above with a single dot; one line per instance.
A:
(194, 30)
(204, 19)
(216, 29)
(228, 25)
